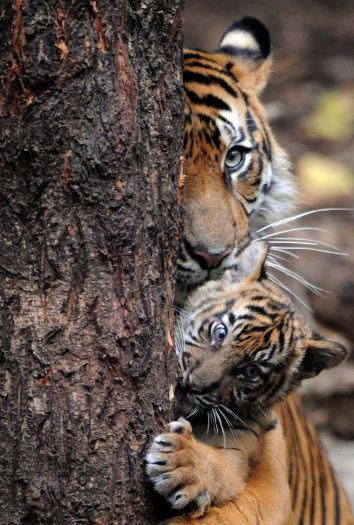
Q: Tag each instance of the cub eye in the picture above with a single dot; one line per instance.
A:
(251, 372)
(234, 157)
(218, 332)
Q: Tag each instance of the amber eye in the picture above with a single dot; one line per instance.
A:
(218, 332)
(234, 157)
(251, 372)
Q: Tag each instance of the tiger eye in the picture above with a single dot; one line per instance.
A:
(218, 332)
(234, 157)
(251, 372)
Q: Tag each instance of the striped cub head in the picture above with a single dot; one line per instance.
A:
(237, 176)
(242, 345)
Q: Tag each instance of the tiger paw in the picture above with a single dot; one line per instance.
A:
(172, 466)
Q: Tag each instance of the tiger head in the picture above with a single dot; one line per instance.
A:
(237, 176)
(242, 344)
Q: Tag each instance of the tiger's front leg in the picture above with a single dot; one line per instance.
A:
(192, 475)
(265, 498)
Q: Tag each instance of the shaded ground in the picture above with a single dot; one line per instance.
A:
(310, 103)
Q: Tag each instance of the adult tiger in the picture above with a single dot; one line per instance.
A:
(237, 180)
(237, 176)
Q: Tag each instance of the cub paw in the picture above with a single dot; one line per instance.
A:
(171, 465)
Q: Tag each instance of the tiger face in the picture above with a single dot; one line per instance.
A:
(237, 176)
(242, 345)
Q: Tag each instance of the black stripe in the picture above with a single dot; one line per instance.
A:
(336, 498)
(197, 56)
(312, 467)
(210, 65)
(208, 100)
(207, 80)
(251, 125)
(229, 125)
(300, 460)
(323, 488)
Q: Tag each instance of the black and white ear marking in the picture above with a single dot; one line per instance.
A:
(248, 37)
(245, 50)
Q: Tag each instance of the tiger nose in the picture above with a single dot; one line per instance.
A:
(211, 261)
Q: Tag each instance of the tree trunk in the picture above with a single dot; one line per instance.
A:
(90, 108)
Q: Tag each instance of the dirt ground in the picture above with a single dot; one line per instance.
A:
(310, 103)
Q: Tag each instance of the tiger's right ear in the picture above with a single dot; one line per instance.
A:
(246, 48)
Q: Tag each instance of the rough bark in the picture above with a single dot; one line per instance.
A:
(90, 109)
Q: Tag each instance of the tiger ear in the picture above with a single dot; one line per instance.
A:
(320, 354)
(247, 50)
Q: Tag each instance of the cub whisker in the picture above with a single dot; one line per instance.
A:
(221, 425)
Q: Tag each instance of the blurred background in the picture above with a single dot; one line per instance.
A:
(310, 106)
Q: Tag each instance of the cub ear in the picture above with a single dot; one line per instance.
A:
(258, 271)
(247, 50)
(251, 264)
(320, 354)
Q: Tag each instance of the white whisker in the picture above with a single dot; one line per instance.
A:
(284, 251)
(301, 228)
(314, 250)
(230, 427)
(235, 416)
(216, 430)
(195, 411)
(294, 275)
(301, 215)
(270, 257)
(282, 285)
(221, 426)
(302, 240)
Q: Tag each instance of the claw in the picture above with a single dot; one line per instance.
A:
(182, 426)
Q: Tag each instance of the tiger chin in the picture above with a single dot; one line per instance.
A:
(242, 348)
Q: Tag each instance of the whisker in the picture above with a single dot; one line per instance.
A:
(235, 416)
(314, 250)
(195, 411)
(282, 285)
(301, 228)
(216, 431)
(264, 414)
(278, 257)
(221, 426)
(180, 311)
(301, 240)
(230, 427)
(294, 275)
(301, 215)
(284, 251)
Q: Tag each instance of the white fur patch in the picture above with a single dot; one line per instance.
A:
(240, 39)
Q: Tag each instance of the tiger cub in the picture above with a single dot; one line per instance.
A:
(242, 347)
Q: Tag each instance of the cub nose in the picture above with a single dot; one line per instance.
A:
(210, 261)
